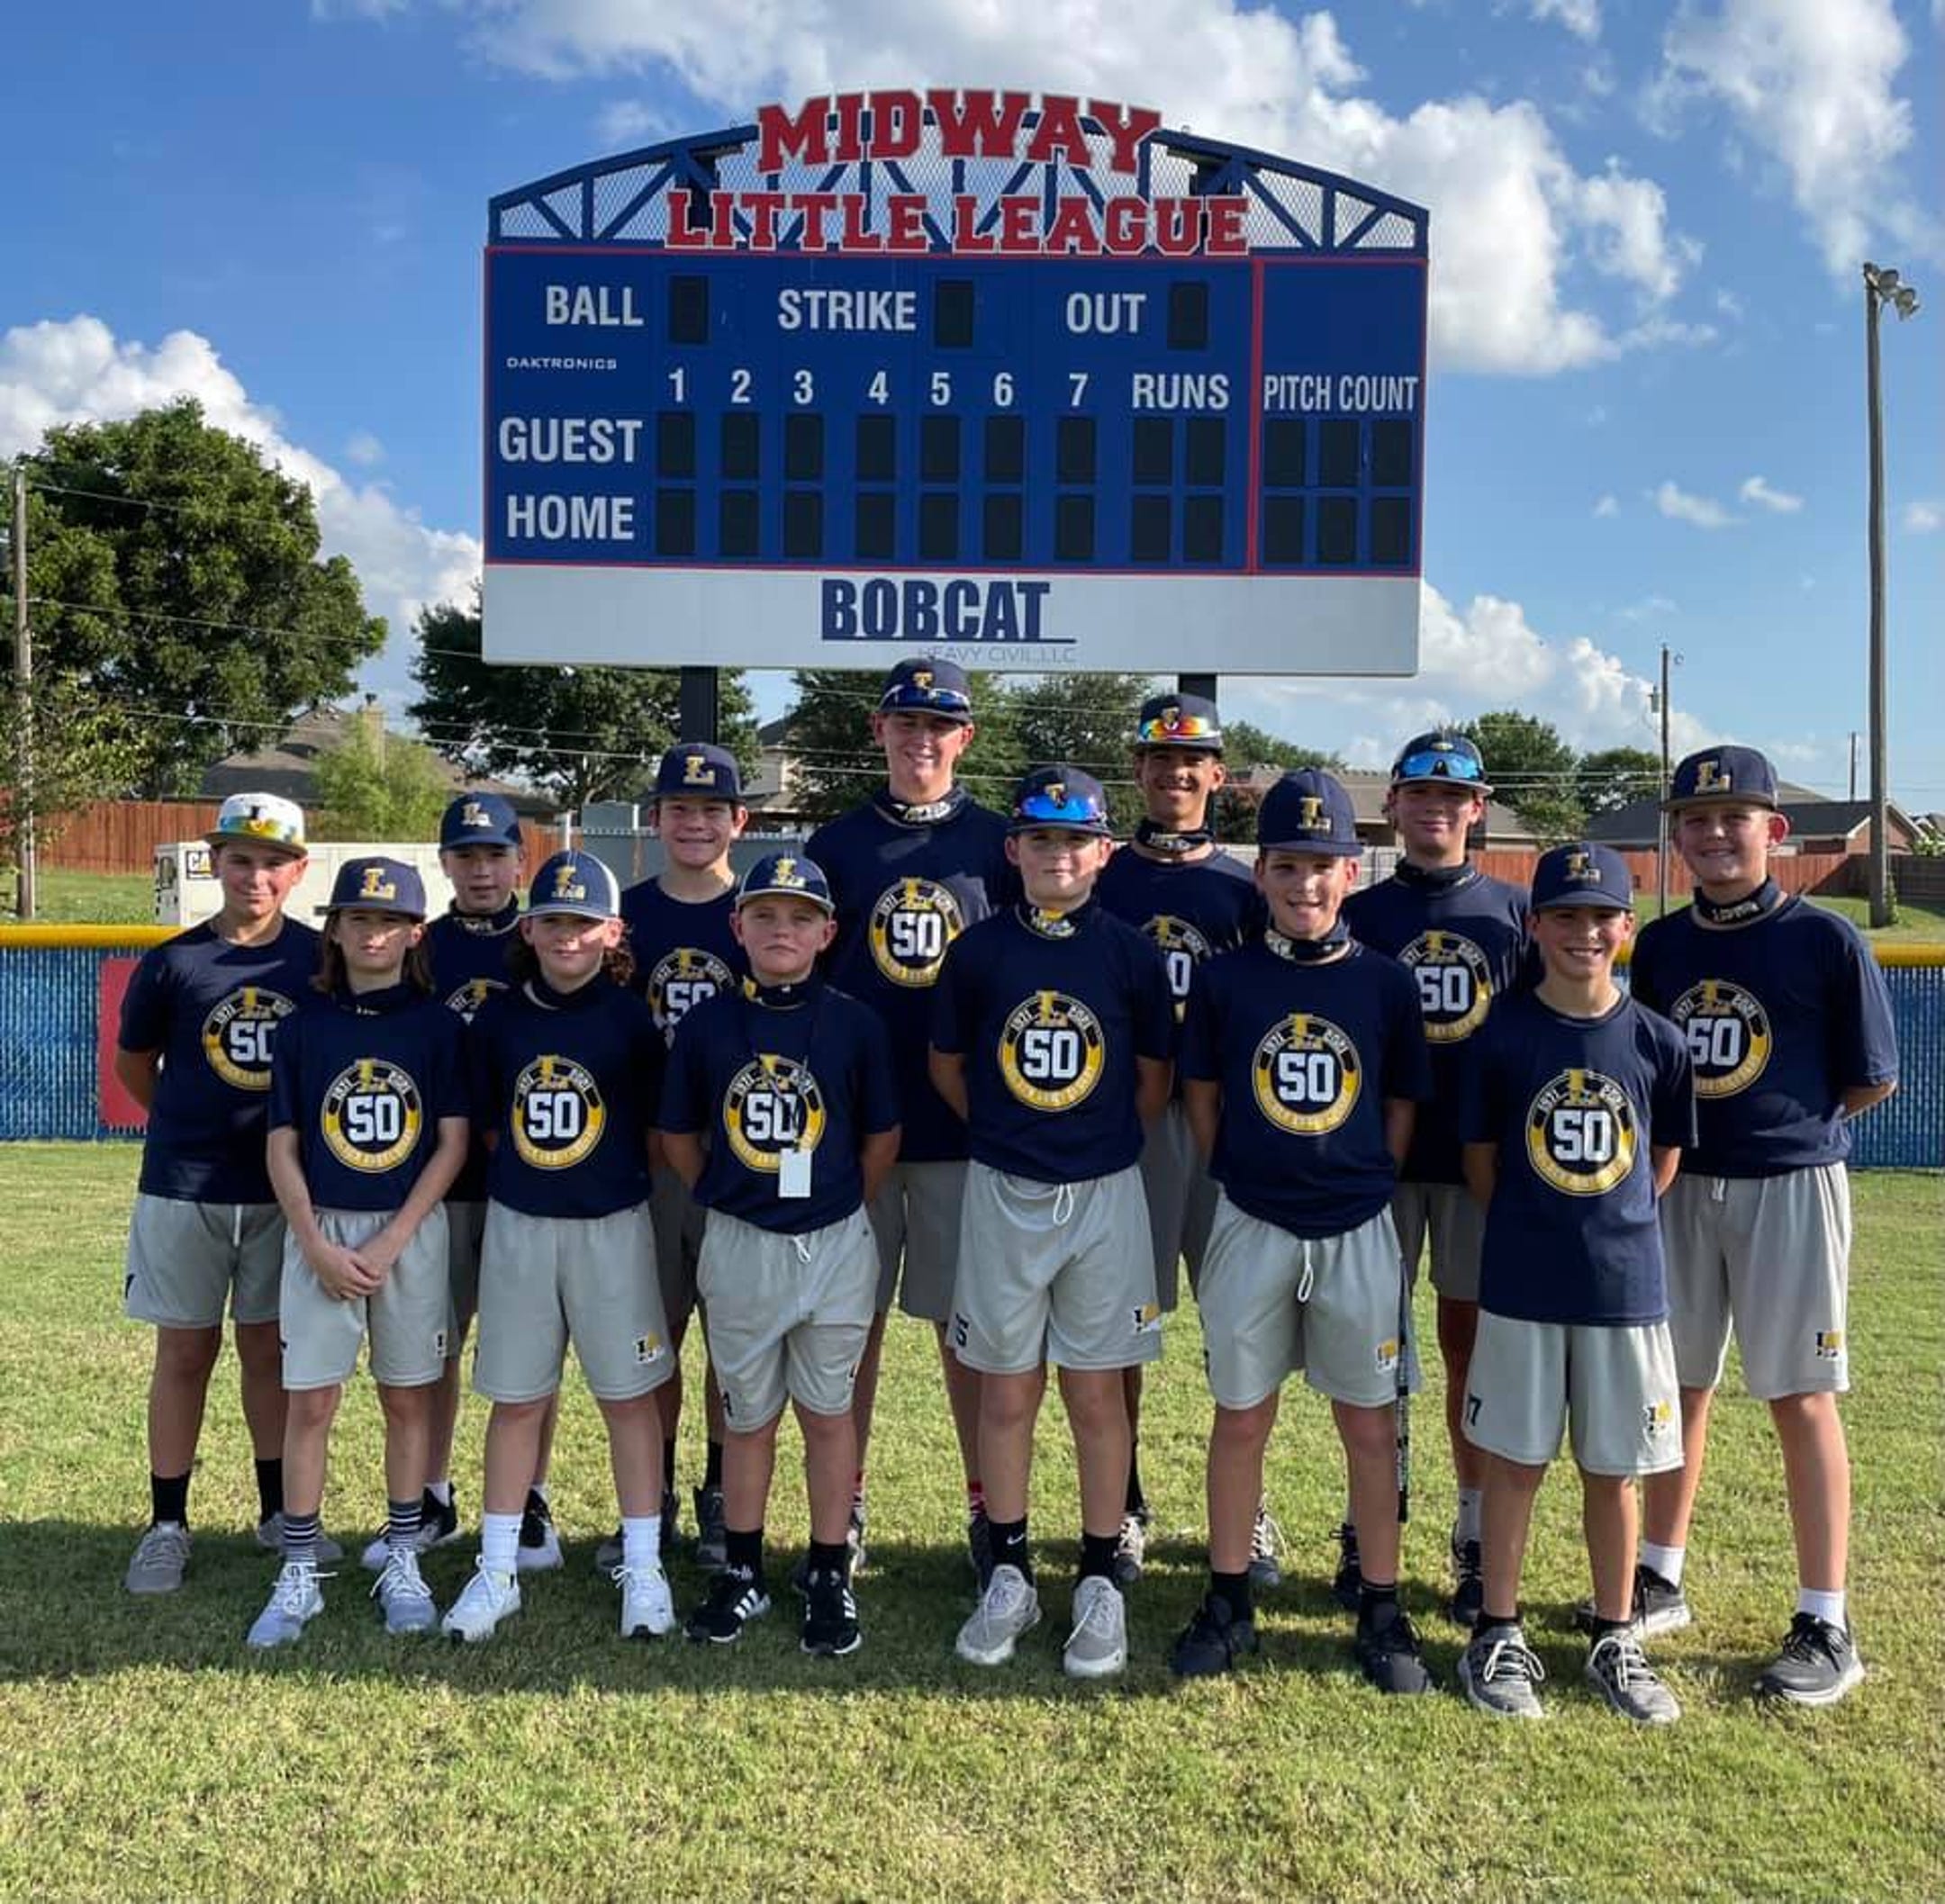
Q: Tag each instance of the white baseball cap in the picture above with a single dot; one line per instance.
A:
(260, 819)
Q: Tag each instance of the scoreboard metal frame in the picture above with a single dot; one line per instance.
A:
(765, 417)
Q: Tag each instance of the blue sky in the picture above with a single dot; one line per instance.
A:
(1646, 417)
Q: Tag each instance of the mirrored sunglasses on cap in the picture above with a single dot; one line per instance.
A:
(1157, 732)
(1440, 764)
(1040, 808)
(908, 698)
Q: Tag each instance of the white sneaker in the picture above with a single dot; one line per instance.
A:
(1097, 1649)
(1009, 1608)
(646, 1605)
(294, 1602)
(405, 1598)
(482, 1603)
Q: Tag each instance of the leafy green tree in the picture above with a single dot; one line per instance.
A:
(1086, 721)
(175, 581)
(379, 785)
(83, 750)
(1246, 745)
(1533, 771)
(1615, 777)
(578, 734)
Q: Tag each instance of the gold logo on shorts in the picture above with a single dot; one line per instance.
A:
(373, 1115)
(1183, 948)
(1052, 1051)
(910, 927)
(1658, 1417)
(647, 1348)
(1830, 1345)
(1580, 1133)
(1728, 1035)
(558, 1114)
(1455, 987)
(1307, 1075)
(240, 1033)
(1386, 1359)
(773, 1105)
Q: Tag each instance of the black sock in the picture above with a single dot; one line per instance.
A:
(1486, 1620)
(169, 1499)
(1371, 1595)
(745, 1551)
(712, 1465)
(1097, 1554)
(1009, 1545)
(269, 1488)
(668, 1466)
(1137, 1502)
(830, 1556)
(1234, 1588)
(1602, 1627)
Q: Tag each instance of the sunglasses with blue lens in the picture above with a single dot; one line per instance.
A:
(1442, 763)
(1076, 810)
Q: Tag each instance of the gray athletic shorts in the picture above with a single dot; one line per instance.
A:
(788, 1316)
(678, 1244)
(466, 1228)
(1181, 1204)
(1456, 1225)
(186, 1262)
(1055, 1273)
(546, 1281)
(915, 1216)
(406, 1319)
(1770, 1254)
(1272, 1303)
(1616, 1387)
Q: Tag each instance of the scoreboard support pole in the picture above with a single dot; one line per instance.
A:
(698, 715)
(1202, 684)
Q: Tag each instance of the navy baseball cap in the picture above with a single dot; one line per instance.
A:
(786, 875)
(927, 685)
(1580, 873)
(577, 883)
(1179, 720)
(1061, 797)
(1308, 811)
(1723, 774)
(377, 885)
(1441, 755)
(480, 819)
(697, 771)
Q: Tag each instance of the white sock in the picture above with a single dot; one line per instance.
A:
(641, 1541)
(441, 1491)
(500, 1542)
(1822, 1606)
(1468, 1525)
(1666, 1561)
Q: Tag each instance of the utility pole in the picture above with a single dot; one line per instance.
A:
(1661, 704)
(1853, 763)
(23, 791)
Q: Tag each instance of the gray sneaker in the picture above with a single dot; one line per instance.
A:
(403, 1597)
(1266, 1540)
(1658, 1606)
(1131, 1550)
(294, 1602)
(1618, 1670)
(1500, 1674)
(160, 1558)
(270, 1538)
(1097, 1649)
(711, 1535)
(1009, 1608)
(1818, 1665)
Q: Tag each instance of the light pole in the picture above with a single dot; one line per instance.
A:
(1881, 286)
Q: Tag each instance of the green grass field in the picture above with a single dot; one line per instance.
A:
(143, 1753)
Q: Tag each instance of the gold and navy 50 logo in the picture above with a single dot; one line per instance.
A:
(1728, 1034)
(1051, 1051)
(773, 1105)
(1307, 1075)
(684, 976)
(1183, 948)
(240, 1033)
(910, 927)
(1454, 984)
(559, 1115)
(468, 998)
(373, 1115)
(1580, 1133)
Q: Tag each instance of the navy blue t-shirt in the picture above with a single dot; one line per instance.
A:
(213, 1010)
(1193, 910)
(906, 889)
(1464, 942)
(569, 1082)
(1307, 1054)
(794, 1066)
(1575, 1106)
(1050, 1024)
(683, 950)
(364, 1080)
(469, 952)
(1780, 1015)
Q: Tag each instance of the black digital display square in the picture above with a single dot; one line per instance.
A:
(1201, 528)
(688, 311)
(1338, 458)
(741, 437)
(877, 521)
(938, 526)
(1155, 449)
(803, 525)
(1073, 528)
(1004, 530)
(1073, 453)
(1005, 449)
(1336, 530)
(952, 314)
(877, 449)
(675, 522)
(1391, 452)
(938, 449)
(1390, 530)
(1207, 444)
(1283, 531)
(1148, 529)
(735, 522)
(1283, 452)
(676, 443)
(1188, 317)
(803, 447)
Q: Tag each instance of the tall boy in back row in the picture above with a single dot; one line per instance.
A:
(1789, 1025)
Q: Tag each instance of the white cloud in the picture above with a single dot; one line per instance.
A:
(1650, 608)
(1680, 506)
(1581, 18)
(364, 449)
(77, 371)
(627, 123)
(1608, 505)
(1925, 519)
(1758, 490)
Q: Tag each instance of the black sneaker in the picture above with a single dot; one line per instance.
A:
(539, 1544)
(1348, 1588)
(1659, 1606)
(711, 1536)
(608, 1553)
(1213, 1641)
(1469, 1593)
(830, 1624)
(1387, 1649)
(735, 1597)
(979, 1545)
(1818, 1665)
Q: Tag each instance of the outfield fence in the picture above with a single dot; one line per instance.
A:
(61, 986)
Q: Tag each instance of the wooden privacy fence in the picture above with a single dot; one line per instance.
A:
(1819, 872)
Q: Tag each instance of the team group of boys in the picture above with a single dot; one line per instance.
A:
(1000, 1072)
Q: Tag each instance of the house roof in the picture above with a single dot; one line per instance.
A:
(1367, 786)
(1810, 814)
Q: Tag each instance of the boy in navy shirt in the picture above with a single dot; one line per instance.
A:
(1053, 1033)
(1789, 1026)
(1194, 900)
(789, 1083)
(1303, 1063)
(199, 1025)
(911, 870)
(1463, 936)
(1576, 1104)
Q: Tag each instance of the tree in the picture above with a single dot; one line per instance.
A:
(1085, 721)
(1533, 770)
(1616, 777)
(379, 785)
(1245, 745)
(175, 581)
(578, 734)
(82, 749)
